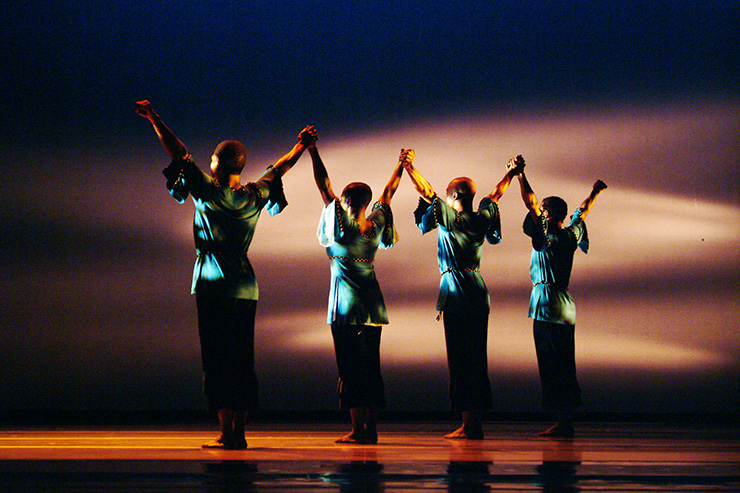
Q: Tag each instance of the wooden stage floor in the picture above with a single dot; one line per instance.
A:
(409, 457)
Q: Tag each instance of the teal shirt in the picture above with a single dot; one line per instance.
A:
(459, 246)
(354, 295)
(223, 227)
(550, 267)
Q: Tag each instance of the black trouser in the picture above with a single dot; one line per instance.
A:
(466, 337)
(226, 328)
(357, 348)
(556, 358)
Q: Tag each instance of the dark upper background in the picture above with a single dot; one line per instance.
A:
(96, 312)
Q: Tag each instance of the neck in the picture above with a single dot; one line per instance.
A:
(554, 224)
(460, 206)
(231, 181)
(357, 214)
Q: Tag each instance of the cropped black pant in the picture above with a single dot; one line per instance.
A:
(226, 329)
(357, 349)
(556, 358)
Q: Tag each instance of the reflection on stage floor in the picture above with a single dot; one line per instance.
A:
(409, 457)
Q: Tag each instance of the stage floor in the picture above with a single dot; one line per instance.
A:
(409, 457)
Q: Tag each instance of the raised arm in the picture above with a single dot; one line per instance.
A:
(307, 137)
(407, 156)
(320, 176)
(528, 196)
(422, 185)
(589, 202)
(514, 167)
(172, 145)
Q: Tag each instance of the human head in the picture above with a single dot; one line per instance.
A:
(229, 158)
(357, 195)
(461, 189)
(555, 208)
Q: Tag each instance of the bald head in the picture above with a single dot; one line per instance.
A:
(461, 189)
(231, 156)
(357, 195)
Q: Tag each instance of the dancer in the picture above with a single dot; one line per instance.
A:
(224, 284)
(356, 306)
(551, 305)
(463, 296)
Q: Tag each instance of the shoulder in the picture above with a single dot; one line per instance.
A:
(246, 195)
(380, 215)
(263, 183)
(488, 205)
(380, 208)
(487, 211)
(576, 217)
(250, 189)
(576, 222)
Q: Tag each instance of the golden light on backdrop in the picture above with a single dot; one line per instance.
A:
(641, 231)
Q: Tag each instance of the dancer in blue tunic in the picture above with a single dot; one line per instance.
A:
(356, 307)
(550, 305)
(463, 296)
(224, 284)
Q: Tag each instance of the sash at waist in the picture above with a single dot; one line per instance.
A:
(451, 269)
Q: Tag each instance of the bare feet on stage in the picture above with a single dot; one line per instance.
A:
(366, 438)
(232, 431)
(351, 438)
(471, 429)
(463, 434)
(558, 431)
(220, 443)
(364, 427)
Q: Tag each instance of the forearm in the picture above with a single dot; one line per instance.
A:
(172, 145)
(420, 183)
(285, 163)
(392, 185)
(528, 196)
(321, 177)
(502, 186)
(589, 202)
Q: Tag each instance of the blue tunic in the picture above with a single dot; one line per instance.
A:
(550, 267)
(459, 246)
(354, 296)
(223, 226)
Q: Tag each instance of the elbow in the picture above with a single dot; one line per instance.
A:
(387, 195)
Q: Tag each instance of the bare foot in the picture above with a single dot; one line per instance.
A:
(216, 443)
(558, 431)
(352, 438)
(223, 444)
(462, 434)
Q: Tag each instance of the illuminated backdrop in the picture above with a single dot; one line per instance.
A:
(96, 311)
